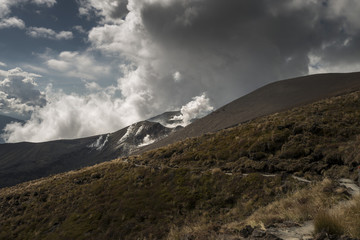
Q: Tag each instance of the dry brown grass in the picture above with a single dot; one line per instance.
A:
(330, 223)
(298, 207)
(345, 216)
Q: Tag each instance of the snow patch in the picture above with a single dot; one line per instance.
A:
(147, 141)
(99, 144)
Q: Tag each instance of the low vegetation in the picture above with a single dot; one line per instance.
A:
(313, 141)
(342, 219)
(300, 206)
(205, 187)
(115, 199)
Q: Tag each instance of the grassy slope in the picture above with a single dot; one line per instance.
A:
(315, 140)
(186, 184)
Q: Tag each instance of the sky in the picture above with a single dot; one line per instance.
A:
(78, 68)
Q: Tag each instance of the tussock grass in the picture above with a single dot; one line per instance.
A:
(343, 218)
(312, 140)
(329, 223)
(299, 206)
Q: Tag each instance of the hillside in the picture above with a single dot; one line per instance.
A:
(27, 161)
(21, 162)
(272, 98)
(209, 187)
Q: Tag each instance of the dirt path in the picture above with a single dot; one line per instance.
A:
(351, 185)
(303, 232)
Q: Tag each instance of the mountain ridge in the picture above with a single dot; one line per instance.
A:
(25, 161)
(58, 156)
(286, 165)
(267, 100)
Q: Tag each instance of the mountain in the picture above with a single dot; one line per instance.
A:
(4, 120)
(21, 162)
(288, 172)
(166, 118)
(272, 98)
(25, 161)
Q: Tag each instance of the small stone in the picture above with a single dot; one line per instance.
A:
(257, 233)
(96, 176)
(246, 231)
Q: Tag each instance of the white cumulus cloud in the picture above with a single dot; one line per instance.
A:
(12, 22)
(18, 92)
(72, 116)
(41, 32)
(5, 10)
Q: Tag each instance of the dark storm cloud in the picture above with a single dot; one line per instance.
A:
(170, 51)
(257, 41)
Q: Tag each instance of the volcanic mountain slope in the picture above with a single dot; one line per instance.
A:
(21, 162)
(274, 97)
(4, 120)
(26, 161)
(208, 187)
(167, 119)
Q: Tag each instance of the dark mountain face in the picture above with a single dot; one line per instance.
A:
(272, 98)
(21, 162)
(4, 120)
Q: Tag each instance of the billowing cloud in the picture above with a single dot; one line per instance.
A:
(197, 108)
(228, 49)
(18, 92)
(12, 22)
(73, 116)
(40, 32)
(169, 51)
(2, 64)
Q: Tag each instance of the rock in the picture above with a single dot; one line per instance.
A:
(341, 190)
(96, 175)
(246, 231)
(257, 234)
(261, 234)
(321, 236)
(325, 236)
